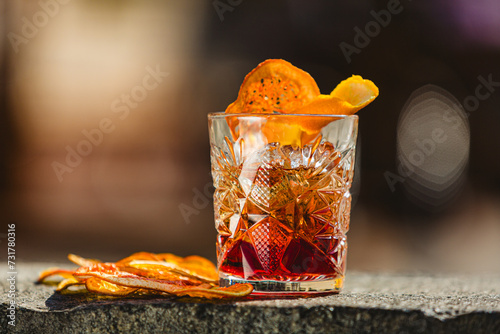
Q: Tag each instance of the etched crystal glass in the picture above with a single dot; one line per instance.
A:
(282, 201)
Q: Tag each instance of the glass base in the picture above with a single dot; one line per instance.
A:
(269, 287)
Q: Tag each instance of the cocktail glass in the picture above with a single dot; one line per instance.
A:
(282, 201)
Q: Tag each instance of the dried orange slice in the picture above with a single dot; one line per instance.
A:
(195, 273)
(82, 261)
(274, 85)
(100, 286)
(121, 281)
(194, 267)
(66, 283)
(157, 271)
(54, 271)
(144, 256)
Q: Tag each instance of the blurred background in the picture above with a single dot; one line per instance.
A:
(103, 122)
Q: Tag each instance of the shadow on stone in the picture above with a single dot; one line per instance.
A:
(84, 300)
(81, 299)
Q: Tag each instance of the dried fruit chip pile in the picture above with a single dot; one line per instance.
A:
(147, 273)
(277, 87)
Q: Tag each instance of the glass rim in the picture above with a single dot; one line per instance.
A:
(222, 114)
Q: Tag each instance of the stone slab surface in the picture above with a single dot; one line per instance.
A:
(369, 303)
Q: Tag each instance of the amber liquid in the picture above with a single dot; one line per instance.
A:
(280, 223)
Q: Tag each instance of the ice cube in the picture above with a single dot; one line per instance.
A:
(271, 189)
(315, 156)
(294, 154)
(271, 154)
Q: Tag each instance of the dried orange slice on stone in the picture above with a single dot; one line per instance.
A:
(96, 285)
(193, 266)
(122, 283)
(82, 261)
(144, 256)
(53, 272)
(66, 283)
(166, 270)
(147, 274)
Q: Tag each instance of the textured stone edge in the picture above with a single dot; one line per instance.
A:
(175, 317)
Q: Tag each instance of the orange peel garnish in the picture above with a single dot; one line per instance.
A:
(347, 98)
(356, 92)
(277, 87)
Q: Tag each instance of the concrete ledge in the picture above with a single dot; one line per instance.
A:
(370, 303)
